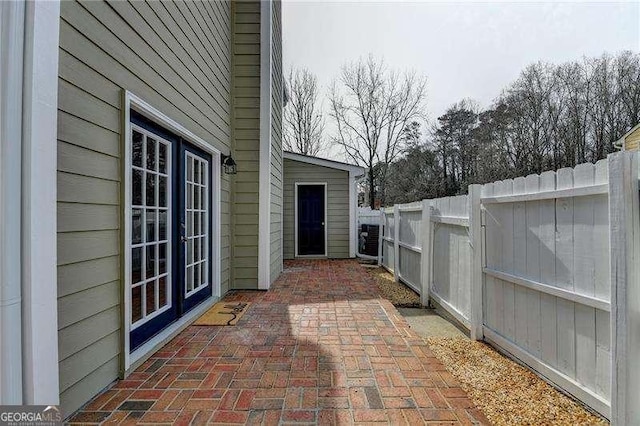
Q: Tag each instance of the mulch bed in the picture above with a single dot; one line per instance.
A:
(397, 293)
(507, 393)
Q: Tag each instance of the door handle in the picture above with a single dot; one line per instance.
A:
(183, 237)
(322, 223)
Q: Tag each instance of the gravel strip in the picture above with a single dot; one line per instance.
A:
(397, 293)
(507, 393)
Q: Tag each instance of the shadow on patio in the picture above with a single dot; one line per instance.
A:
(320, 347)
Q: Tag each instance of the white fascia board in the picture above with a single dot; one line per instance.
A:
(39, 226)
(264, 197)
(356, 170)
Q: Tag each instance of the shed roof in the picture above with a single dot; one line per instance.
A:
(351, 168)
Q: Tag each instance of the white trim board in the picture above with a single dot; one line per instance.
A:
(264, 196)
(134, 102)
(295, 219)
(353, 206)
(39, 251)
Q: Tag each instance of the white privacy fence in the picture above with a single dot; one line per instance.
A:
(368, 216)
(545, 267)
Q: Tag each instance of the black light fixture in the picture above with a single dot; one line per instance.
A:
(228, 165)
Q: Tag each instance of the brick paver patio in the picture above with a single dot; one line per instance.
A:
(320, 347)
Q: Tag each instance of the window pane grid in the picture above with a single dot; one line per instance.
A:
(151, 246)
(197, 232)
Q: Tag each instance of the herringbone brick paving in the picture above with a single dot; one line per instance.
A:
(319, 347)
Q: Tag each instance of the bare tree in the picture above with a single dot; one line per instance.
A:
(303, 121)
(551, 116)
(373, 107)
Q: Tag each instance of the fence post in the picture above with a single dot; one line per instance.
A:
(475, 236)
(380, 235)
(396, 242)
(624, 235)
(425, 258)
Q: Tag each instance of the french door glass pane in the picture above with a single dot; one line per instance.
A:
(136, 187)
(150, 190)
(136, 303)
(151, 225)
(136, 265)
(137, 140)
(136, 226)
(151, 154)
(162, 292)
(162, 259)
(162, 191)
(151, 296)
(162, 225)
(162, 158)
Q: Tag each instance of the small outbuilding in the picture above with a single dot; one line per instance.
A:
(319, 211)
(630, 141)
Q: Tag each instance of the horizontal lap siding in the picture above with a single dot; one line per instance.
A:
(337, 205)
(174, 56)
(632, 141)
(276, 143)
(246, 129)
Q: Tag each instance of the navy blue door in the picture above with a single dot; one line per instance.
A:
(170, 229)
(311, 220)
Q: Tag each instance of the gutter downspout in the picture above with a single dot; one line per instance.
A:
(11, 68)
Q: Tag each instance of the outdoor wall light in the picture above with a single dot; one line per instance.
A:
(228, 165)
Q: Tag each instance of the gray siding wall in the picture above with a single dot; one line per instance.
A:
(246, 130)
(176, 56)
(337, 205)
(276, 142)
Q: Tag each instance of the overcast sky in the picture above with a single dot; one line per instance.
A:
(466, 49)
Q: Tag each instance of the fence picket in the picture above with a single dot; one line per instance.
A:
(548, 312)
(491, 257)
(532, 186)
(602, 288)
(520, 262)
(564, 275)
(584, 273)
(503, 291)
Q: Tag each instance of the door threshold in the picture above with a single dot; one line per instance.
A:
(147, 349)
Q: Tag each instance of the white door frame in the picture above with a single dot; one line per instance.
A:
(145, 350)
(326, 221)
